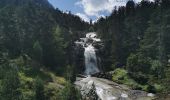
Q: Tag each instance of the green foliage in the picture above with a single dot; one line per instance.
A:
(10, 85)
(137, 36)
(37, 51)
(91, 29)
(27, 87)
(35, 37)
(28, 84)
(70, 93)
(138, 63)
(70, 73)
(39, 89)
(59, 46)
(41, 32)
(155, 67)
(121, 76)
(167, 81)
(53, 89)
(158, 88)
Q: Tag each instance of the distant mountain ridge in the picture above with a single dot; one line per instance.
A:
(22, 2)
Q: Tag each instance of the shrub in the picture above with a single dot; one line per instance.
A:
(39, 89)
(121, 76)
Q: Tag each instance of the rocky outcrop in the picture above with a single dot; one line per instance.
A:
(105, 75)
(79, 58)
(108, 90)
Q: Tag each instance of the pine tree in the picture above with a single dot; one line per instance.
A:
(37, 51)
(39, 89)
(92, 95)
(70, 93)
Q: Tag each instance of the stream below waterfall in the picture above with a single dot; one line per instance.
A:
(105, 89)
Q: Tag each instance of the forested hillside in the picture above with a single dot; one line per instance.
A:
(136, 39)
(35, 38)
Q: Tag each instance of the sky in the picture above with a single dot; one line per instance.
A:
(88, 9)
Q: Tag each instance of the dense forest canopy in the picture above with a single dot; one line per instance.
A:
(37, 48)
(35, 24)
(34, 35)
(137, 39)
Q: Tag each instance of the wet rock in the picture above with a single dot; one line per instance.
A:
(108, 90)
(104, 75)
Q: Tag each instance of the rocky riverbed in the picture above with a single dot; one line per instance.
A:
(108, 90)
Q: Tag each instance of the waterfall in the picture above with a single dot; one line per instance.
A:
(91, 64)
(105, 89)
(90, 54)
(90, 60)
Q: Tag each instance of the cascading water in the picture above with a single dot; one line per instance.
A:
(90, 60)
(90, 54)
(91, 65)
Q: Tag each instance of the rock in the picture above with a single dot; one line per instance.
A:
(150, 95)
(124, 95)
(103, 75)
(108, 90)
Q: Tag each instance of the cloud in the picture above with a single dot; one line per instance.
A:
(95, 7)
(83, 17)
(98, 8)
